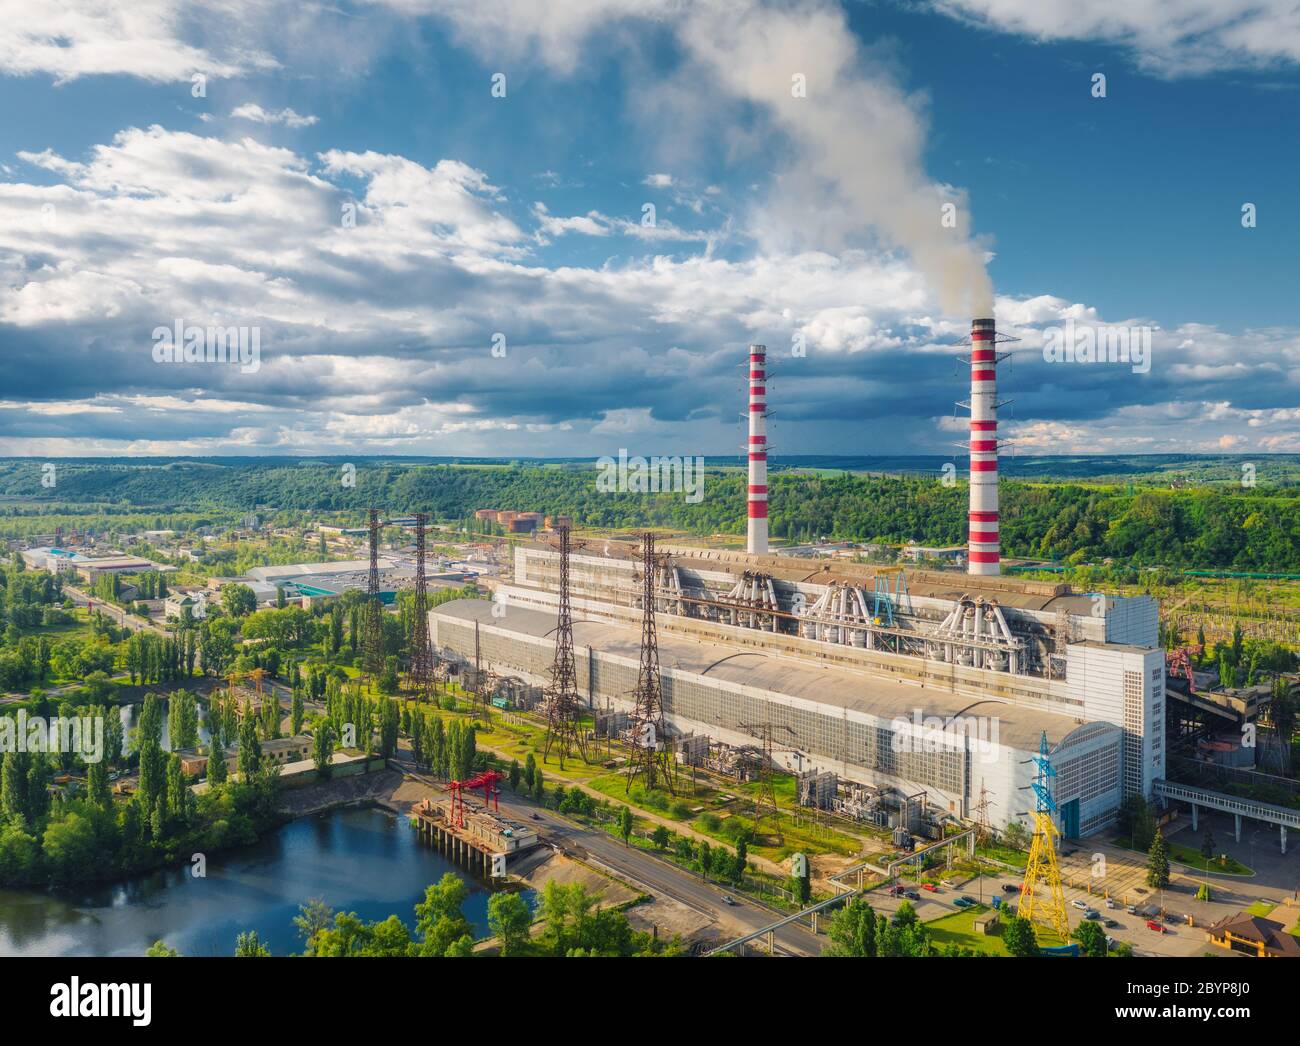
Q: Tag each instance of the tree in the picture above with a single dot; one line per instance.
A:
(516, 773)
(1282, 713)
(388, 681)
(530, 768)
(336, 629)
(312, 917)
(250, 746)
(296, 712)
(389, 723)
(853, 930)
(217, 769)
(801, 885)
(509, 919)
(660, 837)
(461, 948)
(1207, 846)
(1016, 835)
(1019, 938)
(1091, 938)
(159, 950)
(1136, 821)
(322, 748)
(625, 823)
(238, 600)
(742, 859)
(247, 946)
(439, 919)
(1158, 863)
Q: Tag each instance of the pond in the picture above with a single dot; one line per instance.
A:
(364, 860)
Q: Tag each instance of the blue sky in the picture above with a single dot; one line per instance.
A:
(127, 204)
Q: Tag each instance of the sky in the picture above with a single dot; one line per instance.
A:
(496, 227)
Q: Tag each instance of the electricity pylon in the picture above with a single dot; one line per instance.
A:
(1042, 867)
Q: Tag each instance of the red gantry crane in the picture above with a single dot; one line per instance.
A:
(488, 780)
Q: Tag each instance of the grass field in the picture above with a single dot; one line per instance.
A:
(725, 814)
(1192, 858)
(959, 929)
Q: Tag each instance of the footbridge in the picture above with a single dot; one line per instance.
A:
(1283, 816)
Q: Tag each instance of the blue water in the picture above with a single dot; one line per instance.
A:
(362, 860)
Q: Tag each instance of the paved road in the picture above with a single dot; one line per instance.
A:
(131, 621)
(659, 877)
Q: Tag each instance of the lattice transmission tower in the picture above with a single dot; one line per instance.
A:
(372, 631)
(983, 825)
(765, 808)
(422, 667)
(652, 759)
(1042, 874)
(562, 702)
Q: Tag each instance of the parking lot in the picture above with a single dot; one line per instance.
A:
(1093, 872)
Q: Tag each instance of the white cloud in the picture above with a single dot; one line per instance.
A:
(1171, 37)
(69, 39)
(380, 334)
(254, 112)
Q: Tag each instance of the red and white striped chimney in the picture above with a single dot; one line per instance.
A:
(757, 533)
(982, 547)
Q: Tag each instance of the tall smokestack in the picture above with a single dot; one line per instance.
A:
(982, 547)
(757, 533)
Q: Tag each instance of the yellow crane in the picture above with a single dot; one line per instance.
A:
(1041, 896)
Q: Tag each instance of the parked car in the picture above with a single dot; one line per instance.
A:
(997, 902)
(946, 882)
(1079, 904)
(536, 817)
(894, 891)
(969, 899)
(1132, 909)
(1110, 903)
(1111, 943)
(930, 886)
(1110, 924)
(963, 902)
(1153, 925)
(1091, 913)
(728, 899)
(912, 895)
(1011, 887)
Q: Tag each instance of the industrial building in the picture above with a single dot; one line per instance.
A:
(927, 691)
(919, 705)
(310, 582)
(88, 568)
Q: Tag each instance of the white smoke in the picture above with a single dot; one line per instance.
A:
(855, 167)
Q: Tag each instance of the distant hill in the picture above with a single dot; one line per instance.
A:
(1190, 512)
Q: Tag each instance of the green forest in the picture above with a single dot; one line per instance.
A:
(1223, 526)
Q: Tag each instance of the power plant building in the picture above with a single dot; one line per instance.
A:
(944, 689)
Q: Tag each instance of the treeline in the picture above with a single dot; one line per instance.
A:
(1237, 528)
(573, 924)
